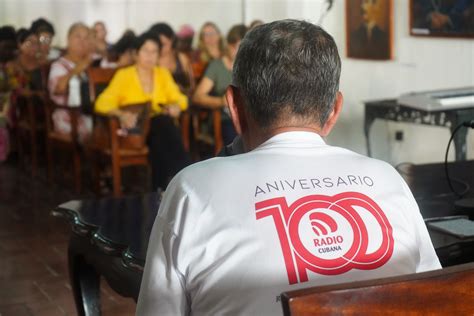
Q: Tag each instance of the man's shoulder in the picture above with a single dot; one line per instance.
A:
(221, 167)
(212, 173)
(367, 162)
(211, 167)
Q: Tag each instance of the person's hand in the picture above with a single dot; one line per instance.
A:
(82, 65)
(173, 110)
(128, 119)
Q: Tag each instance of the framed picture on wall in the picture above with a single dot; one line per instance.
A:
(369, 29)
(443, 18)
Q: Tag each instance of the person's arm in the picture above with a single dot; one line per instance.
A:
(162, 290)
(202, 95)
(56, 72)
(63, 81)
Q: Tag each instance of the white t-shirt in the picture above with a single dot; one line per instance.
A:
(59, 68)
(233, 233)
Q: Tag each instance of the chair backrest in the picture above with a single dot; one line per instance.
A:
(99, 79)
(73, 112)
(448, 291)
(106, 137)
(143, 121)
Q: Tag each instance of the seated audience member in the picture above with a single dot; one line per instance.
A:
(185, 38)
(65, 79)
(143, 82)
(120, 54)
(233, 233)
(20, 70)
(210, 90)
(8, 54)
(177, 63)
(45, 32)
(210, 47)
(8, 51)
(101, 44)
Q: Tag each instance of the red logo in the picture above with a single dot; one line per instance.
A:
(329, 235)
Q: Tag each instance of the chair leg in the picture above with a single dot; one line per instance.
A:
(96, 171)
(49, 151)
(116, 178)
(21, 154)
(185, 123)
(34, 155)
(77, 171)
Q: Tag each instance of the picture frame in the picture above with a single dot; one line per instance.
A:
(369, 29)
(442, 18)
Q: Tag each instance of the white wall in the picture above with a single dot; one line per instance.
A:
(121, 14)
(419, 64)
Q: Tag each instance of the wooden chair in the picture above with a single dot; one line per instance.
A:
(120, 151)
(30, 110)
(198, 113)
(99, 78)
(110, 147)
(448, 291)
(67, 143)
(31, 129)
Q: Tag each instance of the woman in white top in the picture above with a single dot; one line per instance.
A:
(65, 76)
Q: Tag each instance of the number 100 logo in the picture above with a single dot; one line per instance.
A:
(329, 234)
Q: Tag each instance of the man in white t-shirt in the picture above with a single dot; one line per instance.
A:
(233, 233)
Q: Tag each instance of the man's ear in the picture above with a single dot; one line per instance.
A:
(236, 108)
(336, 110)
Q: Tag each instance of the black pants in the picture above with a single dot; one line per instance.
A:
(167, 154)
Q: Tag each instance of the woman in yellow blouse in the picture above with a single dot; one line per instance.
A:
(144, 82)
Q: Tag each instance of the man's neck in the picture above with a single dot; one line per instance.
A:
(253, 141)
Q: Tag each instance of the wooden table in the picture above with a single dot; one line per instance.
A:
(109, 239)
(110, 235)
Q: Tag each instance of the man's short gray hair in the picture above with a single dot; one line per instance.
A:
(288, 67)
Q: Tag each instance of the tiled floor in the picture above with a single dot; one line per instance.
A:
(33, 250)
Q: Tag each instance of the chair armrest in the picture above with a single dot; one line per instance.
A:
(74, 113)
(106, 126)
(105, 131)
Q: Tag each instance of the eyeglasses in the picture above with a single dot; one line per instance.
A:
(30, 43)
(45, 39)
